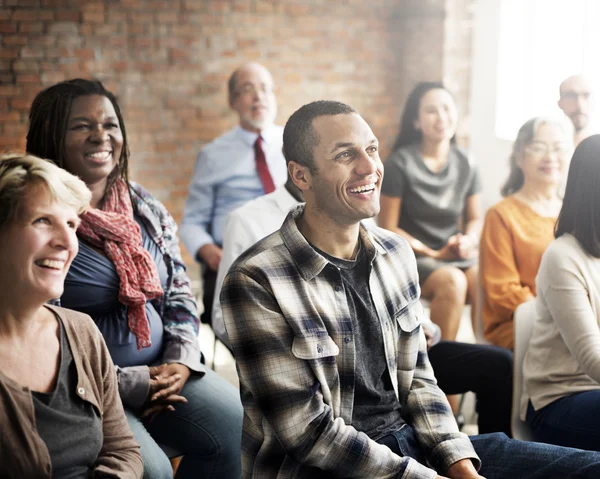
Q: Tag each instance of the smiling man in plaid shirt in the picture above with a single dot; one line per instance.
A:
(325, 323)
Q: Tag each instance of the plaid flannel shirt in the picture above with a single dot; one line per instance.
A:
(289, 323)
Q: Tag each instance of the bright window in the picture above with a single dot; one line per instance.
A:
(542, 42)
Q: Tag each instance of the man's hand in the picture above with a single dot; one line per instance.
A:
(166, 382)
(211, 254)
(463, 469)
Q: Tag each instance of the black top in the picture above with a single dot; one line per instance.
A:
(376, 412)
(433, 203)
(70, 426)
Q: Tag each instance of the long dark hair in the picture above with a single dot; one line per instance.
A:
(580, 212)
(49, 116)
(408, 134)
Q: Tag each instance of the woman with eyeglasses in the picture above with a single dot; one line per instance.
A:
(519, 228)
(561, 370)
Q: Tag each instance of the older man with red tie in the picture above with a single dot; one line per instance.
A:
(240, 165)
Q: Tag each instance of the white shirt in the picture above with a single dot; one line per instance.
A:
(245, 226)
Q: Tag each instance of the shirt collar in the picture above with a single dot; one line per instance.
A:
(283, 199)
(308, 261)
(249, 137)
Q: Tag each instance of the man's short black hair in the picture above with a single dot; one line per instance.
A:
(299, 136)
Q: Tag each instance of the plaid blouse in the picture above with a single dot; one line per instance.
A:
(289, 323)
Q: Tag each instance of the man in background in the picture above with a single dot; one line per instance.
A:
(576, 102)
(240, 165)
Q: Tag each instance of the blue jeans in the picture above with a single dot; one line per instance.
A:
(572, 421)
(207, 430)
(503, 458)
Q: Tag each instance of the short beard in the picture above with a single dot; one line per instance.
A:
(261, 124)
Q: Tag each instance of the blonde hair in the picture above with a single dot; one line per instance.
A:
(20, 173)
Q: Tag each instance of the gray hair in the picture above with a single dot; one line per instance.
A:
(527, 132)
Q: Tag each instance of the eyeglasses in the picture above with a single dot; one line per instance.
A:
(250, 90)
(574, 96)
(539, 149)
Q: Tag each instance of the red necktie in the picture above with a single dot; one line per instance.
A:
(261, 166)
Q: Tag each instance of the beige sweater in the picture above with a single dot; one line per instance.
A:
(23, 453)
(564, 353)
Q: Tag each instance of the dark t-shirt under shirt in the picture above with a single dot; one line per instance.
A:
(377, 412)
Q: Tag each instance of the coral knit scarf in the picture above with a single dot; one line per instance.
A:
(114, 231)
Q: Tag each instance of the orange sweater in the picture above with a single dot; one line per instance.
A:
(513, 240)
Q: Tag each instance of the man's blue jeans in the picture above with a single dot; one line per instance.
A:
(503, 458)
(207, 430)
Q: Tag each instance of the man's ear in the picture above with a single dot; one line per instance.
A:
(300, 175)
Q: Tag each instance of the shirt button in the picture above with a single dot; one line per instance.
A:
(338, 288)
(319, 349)
(347, 340)
(81, 391)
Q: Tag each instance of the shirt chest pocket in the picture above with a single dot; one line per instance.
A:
(409, 333)
(315, 348)
(321, 353)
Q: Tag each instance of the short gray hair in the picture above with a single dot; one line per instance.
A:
(19, 173)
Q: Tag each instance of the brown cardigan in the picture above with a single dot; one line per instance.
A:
(23, 453)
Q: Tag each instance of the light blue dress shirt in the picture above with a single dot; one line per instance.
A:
(224, 179)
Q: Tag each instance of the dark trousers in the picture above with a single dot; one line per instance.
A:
(209, 279)
(503, 458)
(484, 370)
(572, 421)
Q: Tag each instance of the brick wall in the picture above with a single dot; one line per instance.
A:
(168, 61)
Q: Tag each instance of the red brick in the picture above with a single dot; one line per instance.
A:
(93, 17)
(68, 16)
(64, 27)
(9, 116)
(46, 15)
(167, 17)
(27, 52)
(9, 53)
(7, 78)
(25, 66)
(10, 40)
(84, 53)
(31, 27)
(25, 14)
(9, 90)
(28, 78)
(8, 27)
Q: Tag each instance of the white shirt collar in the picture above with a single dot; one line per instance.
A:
(249, 137)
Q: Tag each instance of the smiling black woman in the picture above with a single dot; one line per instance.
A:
(129, 276)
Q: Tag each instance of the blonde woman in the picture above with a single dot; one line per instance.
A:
(60, 411)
